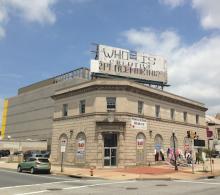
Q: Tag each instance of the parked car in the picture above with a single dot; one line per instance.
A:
(36, 153)
(35, 164)
(18, 153)
(32, 153)
(45, 154)
(215, 154)
(4, 153)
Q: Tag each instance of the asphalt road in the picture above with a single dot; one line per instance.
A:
(13, 183)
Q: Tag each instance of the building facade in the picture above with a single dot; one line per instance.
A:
(29, 115)
(118, 123)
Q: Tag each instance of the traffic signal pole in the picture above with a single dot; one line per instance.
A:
(192, 141)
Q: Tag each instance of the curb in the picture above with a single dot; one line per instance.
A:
(154, 179)
(77, 176)
(207, 177)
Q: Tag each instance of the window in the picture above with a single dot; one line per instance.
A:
(172, 114)
(65, 109)
(111, 103)
(157, 111)
(32, 159)
(185, 117)
(140, 107)
(197, 119)
(218, 131)
(82, 106)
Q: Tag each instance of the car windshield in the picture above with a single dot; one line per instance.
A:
(43, 160)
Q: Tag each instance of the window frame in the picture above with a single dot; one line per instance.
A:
(65, 110)
(157, 111)
(109, 106)
(197, 119)
(185, 117)
(81, 104)
(172, 114)
(140, 107)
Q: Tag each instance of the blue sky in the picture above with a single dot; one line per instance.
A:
(43, 38)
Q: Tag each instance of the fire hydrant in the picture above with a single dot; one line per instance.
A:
(91, 171)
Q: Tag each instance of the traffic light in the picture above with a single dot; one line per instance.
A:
(192, 135)
(188, 134)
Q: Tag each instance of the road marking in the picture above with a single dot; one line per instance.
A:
(196, 182)
(78, 187)
(37, 192)
(9, 187)
(33, 175)
(99, 184)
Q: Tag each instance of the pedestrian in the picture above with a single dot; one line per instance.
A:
(168, 152)
(197, 157)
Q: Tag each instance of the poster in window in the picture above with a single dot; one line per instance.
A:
(81, 147)
(140, 144)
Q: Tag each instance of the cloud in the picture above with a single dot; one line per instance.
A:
(172, 3)
(34, 10)
(39, 11)
(193, 70)
(208, 11)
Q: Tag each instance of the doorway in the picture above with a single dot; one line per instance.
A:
(110, 149)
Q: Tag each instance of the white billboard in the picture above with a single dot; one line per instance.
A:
(125, 63)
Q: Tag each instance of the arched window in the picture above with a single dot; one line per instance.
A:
(80, 147)
(158, 144)
(140, 146)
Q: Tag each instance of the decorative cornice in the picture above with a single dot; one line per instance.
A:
(128, 88)
(126, 114)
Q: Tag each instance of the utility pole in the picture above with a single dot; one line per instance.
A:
(192, 141)
(174, 150)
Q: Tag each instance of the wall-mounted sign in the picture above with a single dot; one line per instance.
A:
(125, 63)
(139, 123)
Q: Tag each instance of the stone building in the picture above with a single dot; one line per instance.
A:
(118, 122)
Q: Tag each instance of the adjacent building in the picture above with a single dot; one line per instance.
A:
(29, 115)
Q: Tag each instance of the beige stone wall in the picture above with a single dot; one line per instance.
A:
(126, 107)
(127, 150)
(127, 102)
(71, 128)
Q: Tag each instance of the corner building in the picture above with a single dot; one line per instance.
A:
(109, 122)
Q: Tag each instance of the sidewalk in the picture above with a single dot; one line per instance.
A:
(164, 172)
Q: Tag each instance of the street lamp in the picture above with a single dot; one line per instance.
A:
(174, 149)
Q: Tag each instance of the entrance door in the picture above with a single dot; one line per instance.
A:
(110, 150)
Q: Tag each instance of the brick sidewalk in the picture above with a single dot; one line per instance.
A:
(144, 172)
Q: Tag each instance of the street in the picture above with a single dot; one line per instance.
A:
(13, 183)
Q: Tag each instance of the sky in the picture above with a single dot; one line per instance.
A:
(44, 38)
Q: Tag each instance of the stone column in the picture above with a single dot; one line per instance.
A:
(121, 151)
(100, 151)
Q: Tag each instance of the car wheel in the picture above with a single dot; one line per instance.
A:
(19, 169)
(32, 170)
(48, 172)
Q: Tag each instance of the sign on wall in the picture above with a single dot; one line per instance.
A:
(125, 63)
(139, 123)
